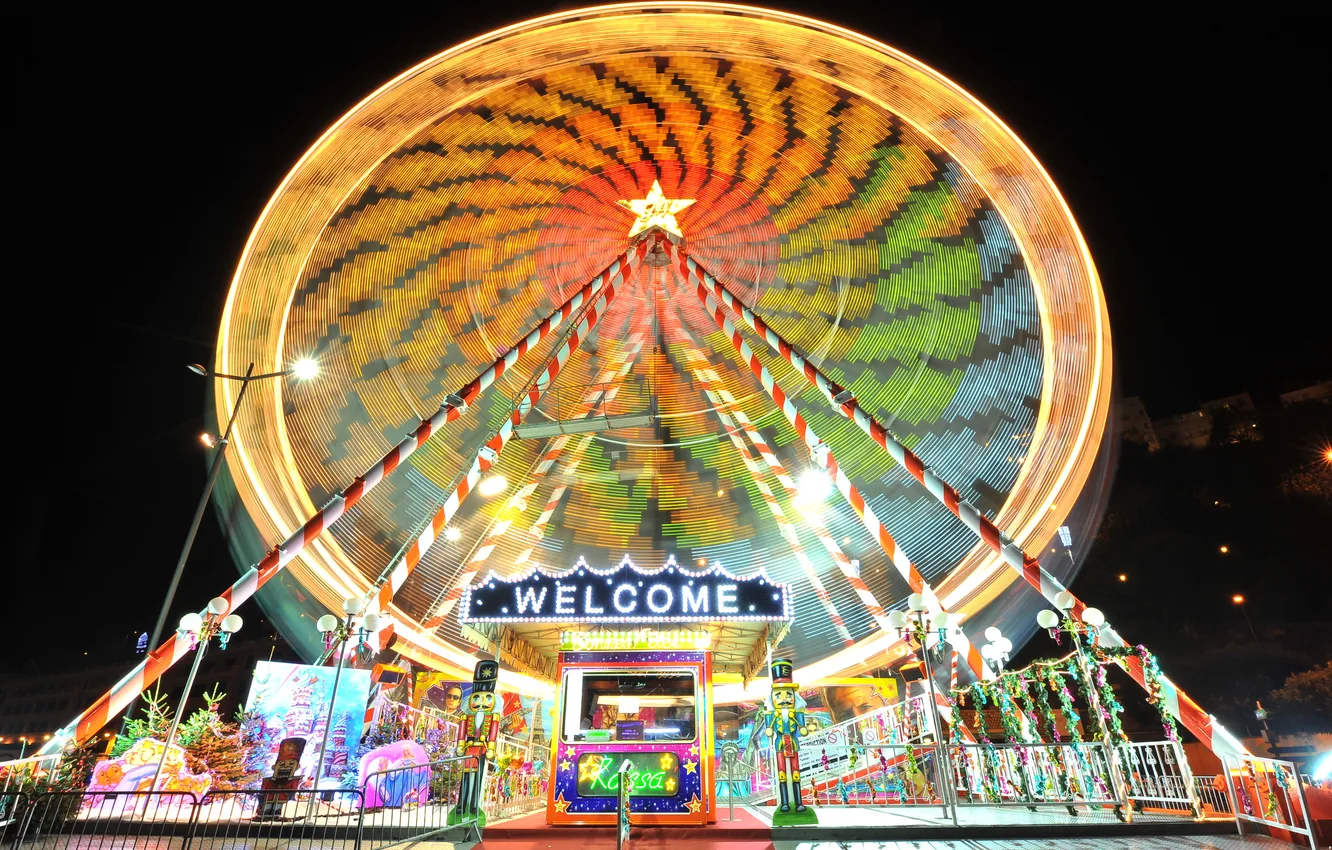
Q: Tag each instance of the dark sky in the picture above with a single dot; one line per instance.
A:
(142, 149)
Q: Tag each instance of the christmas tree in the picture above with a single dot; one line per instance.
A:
(215, 746)
(155, 722)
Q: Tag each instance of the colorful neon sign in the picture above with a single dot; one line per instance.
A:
(652, 774)
(636, 639)
(626, 594)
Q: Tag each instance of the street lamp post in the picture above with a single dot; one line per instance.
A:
(1243, 605)
(200, 631)
(1090, 624)
(996, 651)
(1261, 713)
(304, 369)
(336, 634)
(916, 626)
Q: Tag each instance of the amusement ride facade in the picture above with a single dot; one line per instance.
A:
(695, 285)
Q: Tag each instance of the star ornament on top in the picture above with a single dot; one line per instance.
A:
(656, 210)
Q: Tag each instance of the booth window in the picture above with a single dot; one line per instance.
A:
(602, 706)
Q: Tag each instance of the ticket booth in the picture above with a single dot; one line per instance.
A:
(632, 655)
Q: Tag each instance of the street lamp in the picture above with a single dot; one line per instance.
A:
(916, 627)
(1089, 626)
(199, 630)
(1242, 604)
(996, 651)
(336, 632)
(1261, 713)
(303, 369)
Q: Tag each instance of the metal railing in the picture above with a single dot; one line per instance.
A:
(1158, 776)
(1211, 794)
(1045, 774)
(28, 773)
(1267, 791)
(883, 775)
(392, 807)
(517, 789)
(421, 799)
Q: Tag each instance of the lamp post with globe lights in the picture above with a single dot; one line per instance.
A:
(997, 650)
(1089, 626)
(922, 625)
(336, 633)
(200, 630)
(303, 370)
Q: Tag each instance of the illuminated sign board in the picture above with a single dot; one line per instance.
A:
(652, 775)
(636, 639)
(626, 594)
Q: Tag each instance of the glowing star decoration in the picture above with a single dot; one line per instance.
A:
(656, 210)
(695, 804)
(690, 766)
(561, 804)
(693, 750)
(566, 764)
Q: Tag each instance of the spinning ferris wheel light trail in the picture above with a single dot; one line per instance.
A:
(893, 243)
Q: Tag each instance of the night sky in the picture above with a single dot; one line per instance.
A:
(142, 150)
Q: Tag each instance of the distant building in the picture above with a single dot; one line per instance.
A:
(1135, 425)
(1241, 403)
(1318, 392)
(1192, 430)
(1237, 414)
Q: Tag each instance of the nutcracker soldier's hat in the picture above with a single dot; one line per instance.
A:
(782, 672)
(484, 677)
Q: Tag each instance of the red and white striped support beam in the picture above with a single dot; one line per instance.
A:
(1188, 712)
(823, 455)
(496, 444)
(705, 375)
(602, 393)
(159, 660)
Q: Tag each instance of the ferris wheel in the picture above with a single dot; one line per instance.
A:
(662, 280)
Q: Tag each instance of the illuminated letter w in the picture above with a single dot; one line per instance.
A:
(528, 596)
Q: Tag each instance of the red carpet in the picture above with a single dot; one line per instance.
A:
(532, 833)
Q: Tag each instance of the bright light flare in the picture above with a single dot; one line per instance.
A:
(1224, 550)
(208, 439)
(305, 368)
(493, 486)
(814, 486)
(452, 534)
(1238, 599)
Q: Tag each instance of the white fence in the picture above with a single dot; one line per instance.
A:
(1269, 792)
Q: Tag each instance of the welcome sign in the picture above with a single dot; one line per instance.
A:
(626, 594)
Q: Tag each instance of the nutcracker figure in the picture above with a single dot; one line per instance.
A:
(480, 729)
(786, 724)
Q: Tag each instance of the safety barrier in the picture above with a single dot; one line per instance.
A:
(1269, 792)
(1158, 776)
(1046, 774)
(883, 775)
(1211, 794)
(392, 807)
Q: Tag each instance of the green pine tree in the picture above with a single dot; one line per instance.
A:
(214, 746)
(155, 722)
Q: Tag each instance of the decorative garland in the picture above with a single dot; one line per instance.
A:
(990, 764)
(1151, 676)
(955, 729)
(1012, 722)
